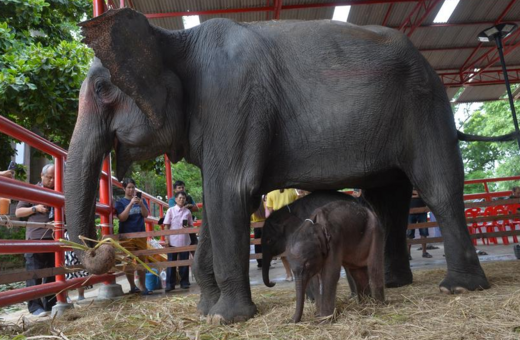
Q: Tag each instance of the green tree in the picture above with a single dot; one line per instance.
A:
(484, 159)
(42, 66)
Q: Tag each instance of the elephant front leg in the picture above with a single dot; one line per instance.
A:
(328, 288)
(229, 225)
(203, 270)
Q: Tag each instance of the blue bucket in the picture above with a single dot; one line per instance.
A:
(151, 281)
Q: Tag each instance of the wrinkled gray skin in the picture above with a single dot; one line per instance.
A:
(340, 234)
(281, 224)
(268, 105)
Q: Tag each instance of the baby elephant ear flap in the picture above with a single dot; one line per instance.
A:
(128, 47)
(325, 246)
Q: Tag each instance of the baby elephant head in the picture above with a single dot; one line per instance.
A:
(307, 252)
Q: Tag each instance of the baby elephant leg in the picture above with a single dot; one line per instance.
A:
(360, 277)
(327, 290)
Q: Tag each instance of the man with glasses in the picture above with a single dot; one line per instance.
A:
(42, 214)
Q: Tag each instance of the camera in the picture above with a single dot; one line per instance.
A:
(139, 194)
(184, 223)
(12, 166)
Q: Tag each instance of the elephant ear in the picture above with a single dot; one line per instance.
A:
(320, 223)
(128, 46)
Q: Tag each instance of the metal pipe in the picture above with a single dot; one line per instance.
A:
(30, 246)
(23, 135)
(29, 293)
(28, 192)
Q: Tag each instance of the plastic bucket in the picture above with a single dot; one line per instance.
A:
(4, 206)
(151, 281)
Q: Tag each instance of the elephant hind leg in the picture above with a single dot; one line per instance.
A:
(360, 276)
(439, 179)
(391, 205)
(376, 260)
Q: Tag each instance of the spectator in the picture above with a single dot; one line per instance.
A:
(131, 211)
(176, 218)
(7, 173)
(417, 202)
(256, 218)
(179, 186)
(515, 192)
(39, 213)
(275, 200)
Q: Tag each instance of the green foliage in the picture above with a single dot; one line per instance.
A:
(151, 177)
(490, 160)
(42, 65)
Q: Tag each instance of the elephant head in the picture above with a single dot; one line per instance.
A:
(277, 229)
(307, 251)
(107, 119)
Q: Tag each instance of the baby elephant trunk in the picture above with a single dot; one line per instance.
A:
(300, 298)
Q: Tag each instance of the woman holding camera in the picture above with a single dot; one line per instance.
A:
(131, 211)
(176, 218)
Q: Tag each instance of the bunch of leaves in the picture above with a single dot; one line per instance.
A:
(42, 65)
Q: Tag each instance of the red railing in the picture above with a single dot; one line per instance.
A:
(17, 190)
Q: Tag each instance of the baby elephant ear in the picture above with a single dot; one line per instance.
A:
(326, 235)
(128, 47)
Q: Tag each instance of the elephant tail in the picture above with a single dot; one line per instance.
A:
(474, 138)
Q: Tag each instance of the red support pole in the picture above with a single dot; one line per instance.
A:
(105, 197)
(58, 224)
(99, 7)
(169, 184)
(149, 225)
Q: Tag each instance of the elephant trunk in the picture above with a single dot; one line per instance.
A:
(300, 285)
(89, 145)
(266, 263)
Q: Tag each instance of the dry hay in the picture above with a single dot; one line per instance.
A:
(418, 311)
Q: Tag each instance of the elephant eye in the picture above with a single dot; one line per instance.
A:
(99, 87)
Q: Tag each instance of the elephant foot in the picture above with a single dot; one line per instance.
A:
(398, 279)
(457, 282)
(207, 301)
(231, 311)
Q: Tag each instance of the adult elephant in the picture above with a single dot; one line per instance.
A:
(260, 106)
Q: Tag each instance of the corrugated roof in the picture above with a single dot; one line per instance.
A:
(453, 46)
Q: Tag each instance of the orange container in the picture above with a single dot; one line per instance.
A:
(4, 206)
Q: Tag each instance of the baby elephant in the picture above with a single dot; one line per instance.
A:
(337, 234)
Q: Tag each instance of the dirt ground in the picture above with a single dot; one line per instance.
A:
(417, 311)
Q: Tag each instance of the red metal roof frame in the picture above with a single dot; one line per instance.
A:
(477, 69)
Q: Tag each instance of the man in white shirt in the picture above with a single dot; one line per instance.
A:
(176, 218)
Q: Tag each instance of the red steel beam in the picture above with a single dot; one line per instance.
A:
(11, 297)
(277, 9)
(492, 60)
(272, 8)
(428, 7)
(488, 77)
(387, 15)
(502, 15)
